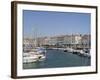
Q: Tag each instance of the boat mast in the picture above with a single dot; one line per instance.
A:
(34, 30)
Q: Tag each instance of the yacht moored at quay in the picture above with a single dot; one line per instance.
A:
(37, 54)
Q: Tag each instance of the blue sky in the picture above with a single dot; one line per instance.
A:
(49, 23)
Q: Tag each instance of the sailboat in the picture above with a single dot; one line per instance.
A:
(35, 54)
(70, 49)
(86, 52)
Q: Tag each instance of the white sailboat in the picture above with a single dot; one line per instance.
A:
(36, 54)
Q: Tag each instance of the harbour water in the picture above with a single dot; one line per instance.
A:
(59, 58)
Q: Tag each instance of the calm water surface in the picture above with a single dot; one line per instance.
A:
(58, 58)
